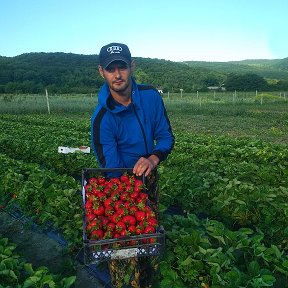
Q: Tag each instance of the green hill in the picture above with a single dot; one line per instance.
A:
(272, 69)
(67, 73)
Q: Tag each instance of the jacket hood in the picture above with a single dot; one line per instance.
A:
(105, 98)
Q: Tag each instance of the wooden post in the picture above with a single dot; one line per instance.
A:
(47, 98)
(197, 95)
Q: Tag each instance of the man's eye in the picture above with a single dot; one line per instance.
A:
(122, 67)
(113, 68)
(110, 69)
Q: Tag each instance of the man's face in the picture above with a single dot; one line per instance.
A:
(117, 76)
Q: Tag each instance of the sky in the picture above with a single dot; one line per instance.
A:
(176, 30)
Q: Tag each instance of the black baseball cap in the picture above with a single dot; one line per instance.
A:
(113, 52)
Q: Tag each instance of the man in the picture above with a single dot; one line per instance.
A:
(130, 129)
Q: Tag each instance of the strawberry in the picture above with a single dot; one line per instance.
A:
(121, 212)
(139, 230)
(115, 180)
(132, 229)
(138, 183)
(125, 178)
(88, 188)
(115, 195)
(109, 211)
(117, 235)
(119, 204)
(129, 188)
(98, 210)
(101, 196)
(107, 191)
(108, 202)
(140, 215)
(101, 180)
(90, 216)
(110, 226)
(133, 209)
(137, 189)
(152, 222)
(124, 196)
(93, 181)
(152, 240)
(104, 221)
(149, 229)
(96, 234)
(88, 205)
(143, 196)
(134, 195)
(129, 220)
(120, 226)
(123, 233)
(94, 225)
(115, 218)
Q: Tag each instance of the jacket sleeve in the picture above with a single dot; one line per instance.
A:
(104, 141)
(162, 131)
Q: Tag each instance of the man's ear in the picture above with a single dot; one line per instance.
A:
(100, 69)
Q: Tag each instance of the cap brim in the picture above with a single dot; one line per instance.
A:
(108, 61)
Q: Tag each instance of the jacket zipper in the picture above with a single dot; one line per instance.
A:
(142, 129)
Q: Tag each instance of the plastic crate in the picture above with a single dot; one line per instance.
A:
(96, 251)
(105, 250)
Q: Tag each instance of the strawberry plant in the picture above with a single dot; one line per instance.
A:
(243, 183)
(205, 252)
(50, 200)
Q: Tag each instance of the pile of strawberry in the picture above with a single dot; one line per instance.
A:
(117, 207)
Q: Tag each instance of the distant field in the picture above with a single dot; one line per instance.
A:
(83, 102)
(241, 114)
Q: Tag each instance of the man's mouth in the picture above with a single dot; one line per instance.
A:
(118, 82)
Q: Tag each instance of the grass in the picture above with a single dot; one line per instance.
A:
(267, 122)
(218, 113)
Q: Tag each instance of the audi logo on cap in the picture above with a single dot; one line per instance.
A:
(114, 49)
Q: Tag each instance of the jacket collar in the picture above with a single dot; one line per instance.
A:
(106, 100)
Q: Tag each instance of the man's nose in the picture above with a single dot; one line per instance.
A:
(117, 72)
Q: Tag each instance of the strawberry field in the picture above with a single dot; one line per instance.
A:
(224, 188)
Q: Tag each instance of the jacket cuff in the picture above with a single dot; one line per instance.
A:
(161, 155)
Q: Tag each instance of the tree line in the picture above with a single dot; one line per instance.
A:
(75, 73)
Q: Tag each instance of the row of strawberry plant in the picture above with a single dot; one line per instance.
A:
(17, 273)
(204, 253)
(38, 142)
(51, 200)
(239, 182)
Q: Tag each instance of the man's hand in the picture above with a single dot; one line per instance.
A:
(145, 165)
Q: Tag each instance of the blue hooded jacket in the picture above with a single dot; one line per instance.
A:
(121, 135)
